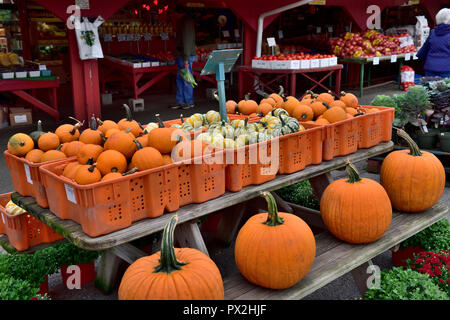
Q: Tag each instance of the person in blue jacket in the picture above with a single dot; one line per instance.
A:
(436, 49)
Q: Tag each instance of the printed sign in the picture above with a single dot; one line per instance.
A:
(27, 173)
(271, 42)
(70, 193)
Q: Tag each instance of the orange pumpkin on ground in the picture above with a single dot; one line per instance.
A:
(275, 249)
(34, 155)
(49, 141)
(20, 144)
(356, 210)
(172, 274)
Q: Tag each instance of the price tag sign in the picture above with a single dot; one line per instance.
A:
(415, 57)
(147, 36)
(130, 37)
(107, 37)
(226, 33)
(137, 37)
(376, 60)
(164, 36)
(318, 29)
(394, 58)
(425, 129)
(407, 56)
(27, 173)
(3, 219)
(330, 29)
(237, 34)
(70, 193)
(271, 42)
(121, 37)
(280, 34)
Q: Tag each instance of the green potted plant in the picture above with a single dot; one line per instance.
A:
(405, 284)
(434, 238)
(434, 264)
(301, 194)
(16, 289)
(69, 254)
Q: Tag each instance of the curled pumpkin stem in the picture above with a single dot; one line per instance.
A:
(353, 174)
(273, 219)
(413, 148)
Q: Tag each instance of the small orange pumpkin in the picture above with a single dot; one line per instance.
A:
(52, 155)
(106, 125)
(164, 139)
(325, 97)
(349, 99)
(338, 103)
(232, 107)
(89, 151)
(20, 144)
(146, 158)
(111, 161)
(303, 113)
(87, 174)
(128, 123)
(92, 135)
(263, 108)
(290, 104)
(71, 169)
(167, 159)
(335, 114)
(71, 149)
(68, 132)
(34, 155)
(49, 141)
(247, 106)
(319, 107)
(122, 141)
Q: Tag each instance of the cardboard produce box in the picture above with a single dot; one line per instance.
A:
(20, 116)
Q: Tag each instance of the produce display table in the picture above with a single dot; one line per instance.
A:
(369, 61)
(290, 77)
(234, 206)
(112, 70)
(19, 88)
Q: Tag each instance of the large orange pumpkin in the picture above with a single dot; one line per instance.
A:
(172, 274)
(128, 123)
(413, 179)
(20, 144)
(275, 249)
(356, 210)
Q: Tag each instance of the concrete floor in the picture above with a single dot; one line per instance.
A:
(341, 289)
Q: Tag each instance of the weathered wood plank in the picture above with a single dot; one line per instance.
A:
(228, 225)
(4, 242)
(188, 236)
(310, 216)
(360, 276)
(320, 183)
(74, 233)
(341, 258)
(107, 271)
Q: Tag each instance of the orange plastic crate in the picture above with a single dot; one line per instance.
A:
(233, 116)
(108, 206)
(300, 149)
(375, 128)
(347, 136)
(24, 230)
(241, 172)
(26, 178)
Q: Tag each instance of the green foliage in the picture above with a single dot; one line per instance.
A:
(416, 103)
(301, 194)
(405, 284)
(67, 253)
(434, 238)
(384, 101)
(16, 289)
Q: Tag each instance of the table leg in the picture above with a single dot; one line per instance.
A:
(240, 84)
(320, 183)
(107, 271)
(188, 235)
(400, 65)
(229, 224)
(361, 276)
(361, 80)
(293, 84)
(369, 74)
(338, 82)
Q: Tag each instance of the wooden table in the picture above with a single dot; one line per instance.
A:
(19, 88)
(369, 61)
(235, 206)
(290, 77)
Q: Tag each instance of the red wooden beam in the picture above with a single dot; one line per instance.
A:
(37, 103)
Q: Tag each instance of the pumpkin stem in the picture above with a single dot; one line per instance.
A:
(168, 261)
(39, 125)
(181, 117)
(138, 144)
(281, 92)
(414, 149)
(332, 93)
(326, 105)
(100, 122)
(135, 169)
(90, 161)
(216, 96)
(128, 112)
(93, 123)
(103, 137)
(59, 147)
(247, 96)
(140, 126)
(92, 167)
(75, 128)
(353, 174)
(160, 123)
(273, 219)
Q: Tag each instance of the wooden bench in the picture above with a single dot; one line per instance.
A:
(334, 258)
